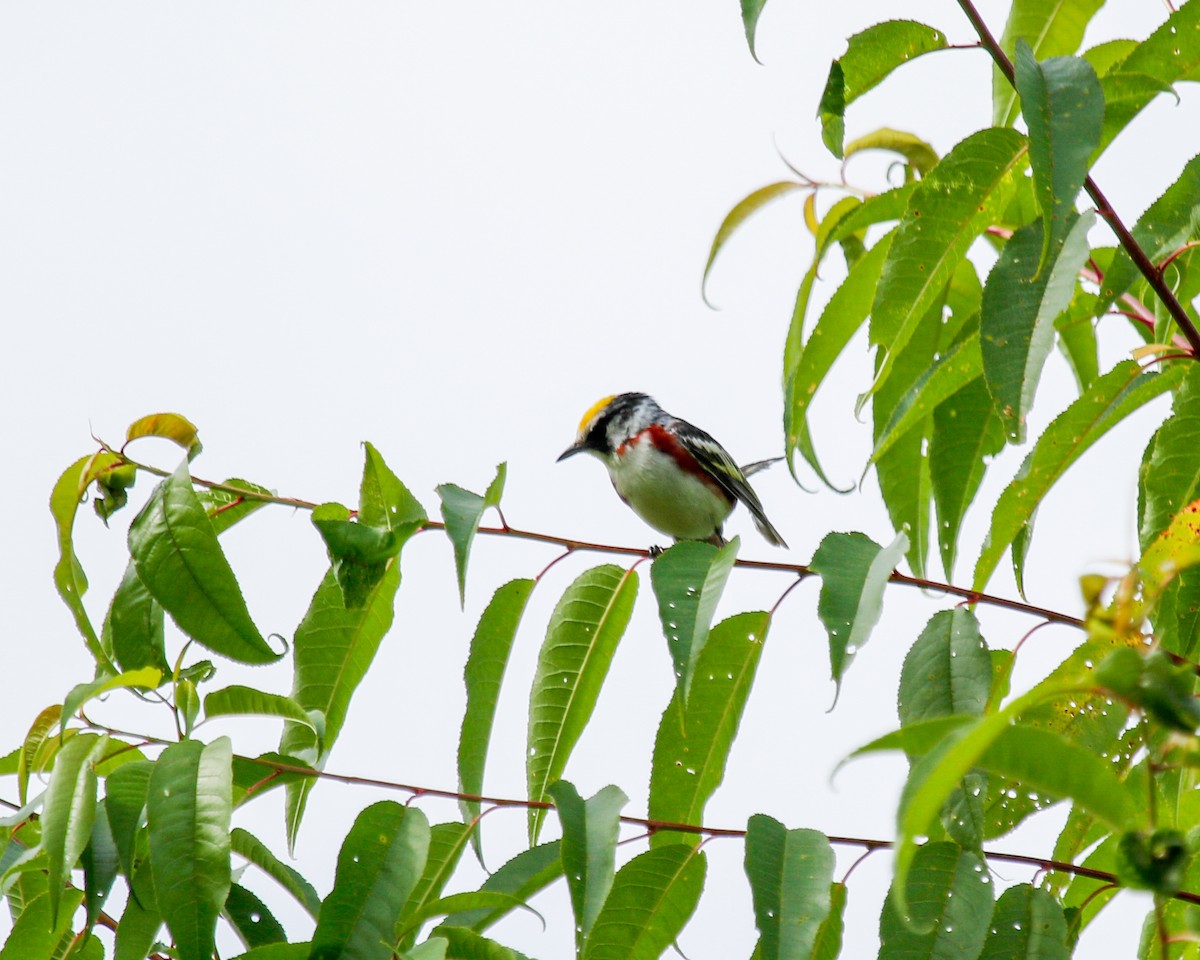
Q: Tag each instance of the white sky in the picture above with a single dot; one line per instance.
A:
(448, 230)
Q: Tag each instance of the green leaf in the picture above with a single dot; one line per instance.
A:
(1109, 400)
(140, 923)
(483, 675)
(949, 373)
(170, 426)
(1171, 53)
(839, 321)
(462, 510)
(125, 791)
(581, 639)
(966, 433)
(188, 809)
(1052, 28)
(379, 864)
(333, 648)
(693, 742)
(869, 58)
(238, 700)
(133, 629)
(954, 204)
(225, 507)
(828, 943)
(1063, 107)
(383, 501)
(359, 554)
(181, 563)
(38, 741)
(688, 581)
(146, 678)
(410, 924)
(1168, 223)
(529, 872)
(69, 810)
(279, 951)
(945, 909)
(590, 829)
(652, 897)
(447, 841)
(69, 577)
(790, 873)
(246, 845)
(740, 213)
(854, 570)
(37, 934)
(1077, 338)
(919, 154)
(1104, 56)
(947, 671)
(464, 944)
(251, 919)
(850, 217)
(100, 862)
(1021, 301)
(751, 11)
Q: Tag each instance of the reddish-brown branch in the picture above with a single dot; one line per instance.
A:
(652, 826)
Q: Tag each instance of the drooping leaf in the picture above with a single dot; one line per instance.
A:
(483, 675)
(790, 873)
(1063, 107)
(869, 58)
(920, 155)
(69, 577)
(101, 862)
(145, 678)
(589, 847)
(240, 700)
(181, 563)
(945, 909)
(751, 11)
(141, 921)
(1052, 28)
(1021, 301)
(949, 373)
(693, 742)
(462, 510)
(31, 758)
(251, 919)
(1109, 400)
(36, 934)
(359, 554)
(69, 811)
(125, 791)
(447, 841)
(828, 943)
(333, 648)
(845, 313)
(652, 897)
(133, 629)
(854, 570)
(170, 426)
(688, 580)
(962, 196)
(947, 671)
(188, 808)
(523, 876)
(741, 212)
(1168, 223)
(966, 433)
(379, 863)
(246, 845)
(469, 945)
(588, 622)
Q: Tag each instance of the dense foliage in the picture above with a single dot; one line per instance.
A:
(122, 843)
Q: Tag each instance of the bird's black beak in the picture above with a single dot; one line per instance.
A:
(570, 452)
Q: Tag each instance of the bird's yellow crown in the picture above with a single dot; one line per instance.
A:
(593, 412)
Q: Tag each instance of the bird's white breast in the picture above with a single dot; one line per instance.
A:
(670, 499)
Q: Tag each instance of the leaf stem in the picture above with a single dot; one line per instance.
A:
(1140, 258)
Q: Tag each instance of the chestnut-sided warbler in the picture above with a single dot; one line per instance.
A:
(674, 475)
